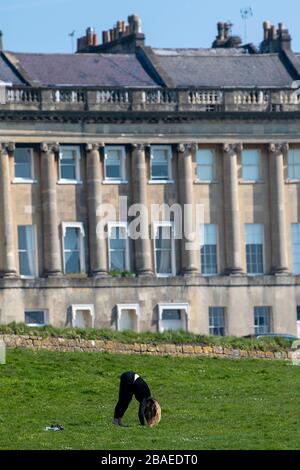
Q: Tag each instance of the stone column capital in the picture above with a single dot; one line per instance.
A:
(233, 148)
(93, 147)
(278, 148)
(187, 148)
(140, 147)
(47, 147)
(7, 147)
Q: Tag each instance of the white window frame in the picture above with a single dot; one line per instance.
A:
(156, 225)
(169, 180)
(217, 249)
(213, 154)
(225, 319)
(122, 180)
(289, 155)
(80, 226)
(270, 318)
(135, 307)
(39, 325)
(18, 179)
(36, 268)
(259, 178)
(263, 250)
(184, 307)
(78, 307)
(124, 225)
(77, 149)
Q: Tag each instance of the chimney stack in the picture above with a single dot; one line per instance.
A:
(1, 41)
(275, 40)
(89, 40)
(224, 38)
(122, 38)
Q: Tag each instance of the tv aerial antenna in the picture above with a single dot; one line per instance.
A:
(246, 14)
(72, 39)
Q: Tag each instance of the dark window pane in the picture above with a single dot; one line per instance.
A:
(35, 318)
(117, 260)
(160, 171)
(113, 171)
(23, 161)
(72, 239)
(24, 264)
(171, 314)
(68, 172)
(72, 262)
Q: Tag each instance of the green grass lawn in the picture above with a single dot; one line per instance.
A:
(206, 403)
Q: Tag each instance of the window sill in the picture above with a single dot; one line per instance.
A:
(292, 181)
(206, 182)
(251, 182)
(29, 277)
(210, 275)
(164, 276)
(115, 182)
(36, 325)
(255, 275)
(161, 182)
(69, 182)
(23, 181)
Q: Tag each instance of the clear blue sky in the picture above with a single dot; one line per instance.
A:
(44, 25)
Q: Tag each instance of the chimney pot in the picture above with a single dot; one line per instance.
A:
(95, 39)
(221, 28)
(273, 32)
(226, 30)
(267, 28)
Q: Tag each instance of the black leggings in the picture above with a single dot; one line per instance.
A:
(125, 394)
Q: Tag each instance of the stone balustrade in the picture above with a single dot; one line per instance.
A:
(158, 100)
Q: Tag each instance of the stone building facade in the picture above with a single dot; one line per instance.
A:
(216, 127)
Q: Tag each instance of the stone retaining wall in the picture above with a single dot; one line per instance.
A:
(182, 350)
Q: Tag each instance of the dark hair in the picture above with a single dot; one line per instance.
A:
(152, 412)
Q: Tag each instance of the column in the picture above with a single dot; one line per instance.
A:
(8, 268)
(97, 245)
(278, 216)
(185, 156)
(52, 247)
(143, 251)
(232, 212)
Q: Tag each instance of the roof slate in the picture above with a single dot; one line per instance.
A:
(223, 68)
(184, 68)
(115, 70)
(7, 74)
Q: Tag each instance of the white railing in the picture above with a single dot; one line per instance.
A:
(68, 96)
(287, 97)
(112, 96)
(209, 97)
(251, 97)
(22, 95)
(161, 97)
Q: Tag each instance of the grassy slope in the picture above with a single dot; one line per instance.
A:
(206, 403)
